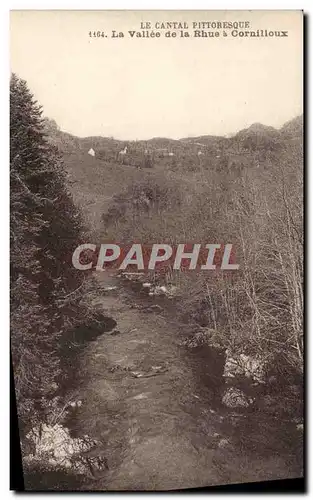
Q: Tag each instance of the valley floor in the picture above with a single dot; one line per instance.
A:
(159, 428)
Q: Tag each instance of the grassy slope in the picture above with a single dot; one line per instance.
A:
(94, 181)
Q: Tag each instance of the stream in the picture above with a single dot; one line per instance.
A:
(154, 406)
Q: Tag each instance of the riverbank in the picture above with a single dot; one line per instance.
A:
(160, 426)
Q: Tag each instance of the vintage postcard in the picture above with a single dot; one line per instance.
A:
(156, 179)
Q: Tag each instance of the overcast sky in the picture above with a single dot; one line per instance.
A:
(143, 88)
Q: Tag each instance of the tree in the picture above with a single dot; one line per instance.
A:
(45, 227)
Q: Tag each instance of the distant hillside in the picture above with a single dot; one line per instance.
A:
(257, 129)
(94, 180)
(293, 128)
(262, 134)
(204, 140)
(161, 142)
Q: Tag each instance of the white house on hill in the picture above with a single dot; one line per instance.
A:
(91, 152)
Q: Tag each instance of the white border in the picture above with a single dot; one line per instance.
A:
(306, 5)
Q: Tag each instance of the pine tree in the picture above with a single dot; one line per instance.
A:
(45, 228)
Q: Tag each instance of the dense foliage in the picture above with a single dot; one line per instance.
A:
(250, 194)
(46, 291)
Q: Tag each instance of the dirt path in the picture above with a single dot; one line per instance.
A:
(141, 400)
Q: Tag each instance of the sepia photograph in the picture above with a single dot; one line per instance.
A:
(156, 248)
